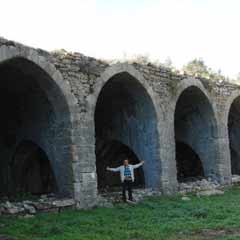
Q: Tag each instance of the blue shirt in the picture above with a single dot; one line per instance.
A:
(127, 172)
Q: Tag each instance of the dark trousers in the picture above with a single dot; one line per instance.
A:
(127, 186)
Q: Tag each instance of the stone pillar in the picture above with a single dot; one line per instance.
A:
(223, 158)
(168, 175)
(84, 169)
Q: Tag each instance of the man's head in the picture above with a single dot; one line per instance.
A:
(125, 162)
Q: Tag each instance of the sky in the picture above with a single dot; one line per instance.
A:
(114, 29)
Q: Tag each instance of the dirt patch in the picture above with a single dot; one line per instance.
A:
(210, 234)
(6, 238)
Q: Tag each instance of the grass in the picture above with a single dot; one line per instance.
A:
(215, 217)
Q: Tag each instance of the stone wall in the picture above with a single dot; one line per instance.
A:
(144, 107)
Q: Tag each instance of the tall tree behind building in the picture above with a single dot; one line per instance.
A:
(198, 68)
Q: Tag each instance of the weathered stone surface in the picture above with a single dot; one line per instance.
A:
(63, 203)
(29, 208)
(27, 216)
(186, 198)
(12, 209)
(106, 199)
(50, 99)
(208, 193)
(198, 185)
(236, 179)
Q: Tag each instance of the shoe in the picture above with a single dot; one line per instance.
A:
(131, 201)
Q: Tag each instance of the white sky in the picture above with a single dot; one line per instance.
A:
(179, 29)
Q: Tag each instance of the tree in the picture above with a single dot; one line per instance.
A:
(198, 68)
(168, 62)
(238, 77)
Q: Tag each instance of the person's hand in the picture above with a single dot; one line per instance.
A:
(142, 162)
(108, 168)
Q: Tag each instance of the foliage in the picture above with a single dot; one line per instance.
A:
(198, 68)
(195, 68)
(156, 218)
(145, 59)
(141, 59)
(238, 77)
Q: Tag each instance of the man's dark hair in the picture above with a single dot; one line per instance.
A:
(123, 157)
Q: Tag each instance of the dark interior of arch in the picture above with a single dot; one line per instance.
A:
(32, 171)
(194, 127)
(234, 135)
(126, 125)
(189, 165)
(29, 111)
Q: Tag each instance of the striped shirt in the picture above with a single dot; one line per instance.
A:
(127, 172)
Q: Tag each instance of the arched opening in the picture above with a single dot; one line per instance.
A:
(126, 125)
(31, 170)
(194, 135)
(234, 135)
(34, 108)
(189, 165)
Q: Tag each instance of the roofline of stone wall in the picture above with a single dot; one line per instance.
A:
(62, 53)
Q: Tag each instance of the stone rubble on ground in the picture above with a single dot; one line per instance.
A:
(29, 208)
(235, 179)
(197, 186)
(185, 198)
(202, 187)
(207, 193)
(109, 198)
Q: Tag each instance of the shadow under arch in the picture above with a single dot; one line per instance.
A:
(125, 112)
(31, 170)
(189, 165)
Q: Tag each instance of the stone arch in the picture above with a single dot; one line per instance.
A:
(230, 99)
(10, 52)
(195, 123)
(126, 76)
(28, 70)
(191, 82)
(232, 120)
(110, 72)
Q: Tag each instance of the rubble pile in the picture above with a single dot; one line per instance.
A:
(197, 185)
(31, 207)
(28, 208)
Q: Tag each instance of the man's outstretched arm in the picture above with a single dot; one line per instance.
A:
(138, 165)
(113, 169)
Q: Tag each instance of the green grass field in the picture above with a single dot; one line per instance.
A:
(216, 217)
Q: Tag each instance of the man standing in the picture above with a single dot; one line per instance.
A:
(127, 177)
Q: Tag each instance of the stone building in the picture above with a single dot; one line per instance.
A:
(65, 117)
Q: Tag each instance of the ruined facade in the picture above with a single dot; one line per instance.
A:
(65, 117)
